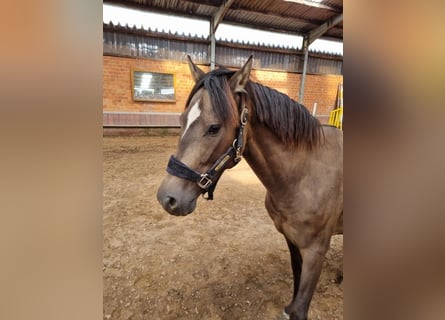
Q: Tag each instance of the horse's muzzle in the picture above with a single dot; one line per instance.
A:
(175, 203)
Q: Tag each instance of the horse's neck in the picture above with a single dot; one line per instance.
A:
(279, 166)
(271, 160)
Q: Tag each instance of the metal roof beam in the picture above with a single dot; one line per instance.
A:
(316, 33)
(219, 15)
(261, 11)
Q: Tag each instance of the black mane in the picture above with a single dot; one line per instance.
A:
(289, 120)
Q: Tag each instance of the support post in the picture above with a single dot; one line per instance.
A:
(308, 39)
(214, 23)
(212, 46)
(303, 74)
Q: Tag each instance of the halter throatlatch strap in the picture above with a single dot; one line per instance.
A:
(208, 180)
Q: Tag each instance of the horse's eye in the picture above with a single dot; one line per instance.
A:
(213, 129)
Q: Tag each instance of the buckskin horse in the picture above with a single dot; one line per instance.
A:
(298, 160)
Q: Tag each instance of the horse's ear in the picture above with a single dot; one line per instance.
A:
(194, 70)
(239, 80)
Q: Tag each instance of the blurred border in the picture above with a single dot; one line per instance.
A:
(394, 156)
(51, 171)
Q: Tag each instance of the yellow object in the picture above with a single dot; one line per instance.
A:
(336, 118)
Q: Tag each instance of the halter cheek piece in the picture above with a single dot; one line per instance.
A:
(207, 180)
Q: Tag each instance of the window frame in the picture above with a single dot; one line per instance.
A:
(154, 99)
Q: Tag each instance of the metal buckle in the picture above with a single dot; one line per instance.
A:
(205, 181)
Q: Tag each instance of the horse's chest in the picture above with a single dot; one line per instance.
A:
(278, 212)
(293, 220)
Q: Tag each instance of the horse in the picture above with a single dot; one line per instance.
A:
(228, 117)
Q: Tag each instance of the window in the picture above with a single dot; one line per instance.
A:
(152, 86)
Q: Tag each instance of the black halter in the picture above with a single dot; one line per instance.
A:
(207, 180)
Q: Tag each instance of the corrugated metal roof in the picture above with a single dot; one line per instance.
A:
(110, 27)
(296, 17)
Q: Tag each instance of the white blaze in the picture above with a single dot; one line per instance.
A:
(193, 114)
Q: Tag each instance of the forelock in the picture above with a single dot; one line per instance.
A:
(217, 86)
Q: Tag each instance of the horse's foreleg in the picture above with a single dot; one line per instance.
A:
(311, 268)
(295, 258)
(339, 227)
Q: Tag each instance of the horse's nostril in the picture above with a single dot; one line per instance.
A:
(172, 203)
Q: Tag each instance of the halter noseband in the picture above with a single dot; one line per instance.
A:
(207, 180)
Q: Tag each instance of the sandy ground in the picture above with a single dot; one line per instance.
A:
(224, 261)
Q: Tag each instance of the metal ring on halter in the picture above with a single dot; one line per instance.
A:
(244, 116)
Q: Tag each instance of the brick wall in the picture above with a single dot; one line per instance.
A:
(117, 85)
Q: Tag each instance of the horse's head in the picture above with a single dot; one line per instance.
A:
(211, 137)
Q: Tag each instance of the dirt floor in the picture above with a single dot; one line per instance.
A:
(224, 261)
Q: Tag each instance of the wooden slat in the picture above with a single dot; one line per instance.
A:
(140, 119)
